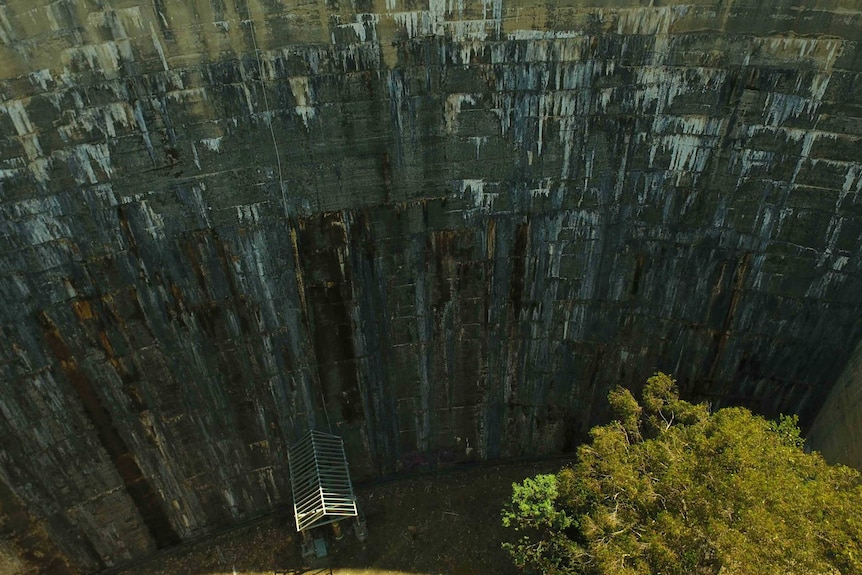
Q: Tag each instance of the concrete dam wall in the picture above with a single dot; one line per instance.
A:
(441, 229)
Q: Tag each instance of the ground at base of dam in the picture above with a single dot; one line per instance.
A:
(438, 523)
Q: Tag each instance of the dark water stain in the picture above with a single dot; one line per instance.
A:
(328, 290)
(519, 263)
(723, 334)
(636, 280)
(140, 490)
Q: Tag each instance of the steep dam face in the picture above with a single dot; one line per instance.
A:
(441, 229)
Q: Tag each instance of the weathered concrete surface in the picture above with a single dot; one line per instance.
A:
(442, 229)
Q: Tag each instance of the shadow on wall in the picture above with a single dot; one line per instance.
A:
(837, 430)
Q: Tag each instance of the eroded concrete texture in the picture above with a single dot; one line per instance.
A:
(442, 229)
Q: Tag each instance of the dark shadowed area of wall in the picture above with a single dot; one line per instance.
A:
(837, 431)
(442, 229)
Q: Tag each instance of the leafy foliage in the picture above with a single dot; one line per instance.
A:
(668, 488)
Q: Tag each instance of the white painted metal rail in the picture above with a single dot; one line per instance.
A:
(320, 480)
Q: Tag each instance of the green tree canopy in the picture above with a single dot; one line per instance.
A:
(670, 488)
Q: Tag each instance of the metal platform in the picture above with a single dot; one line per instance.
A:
(320, 480)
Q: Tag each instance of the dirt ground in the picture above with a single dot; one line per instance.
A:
(442, 523)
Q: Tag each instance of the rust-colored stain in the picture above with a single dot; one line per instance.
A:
(179, 301)
(297, 267)
(723, 334)
(139, 489)
(636, 280)
(105, 342)
(82, 309)
(191, 247)
(491, 238)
